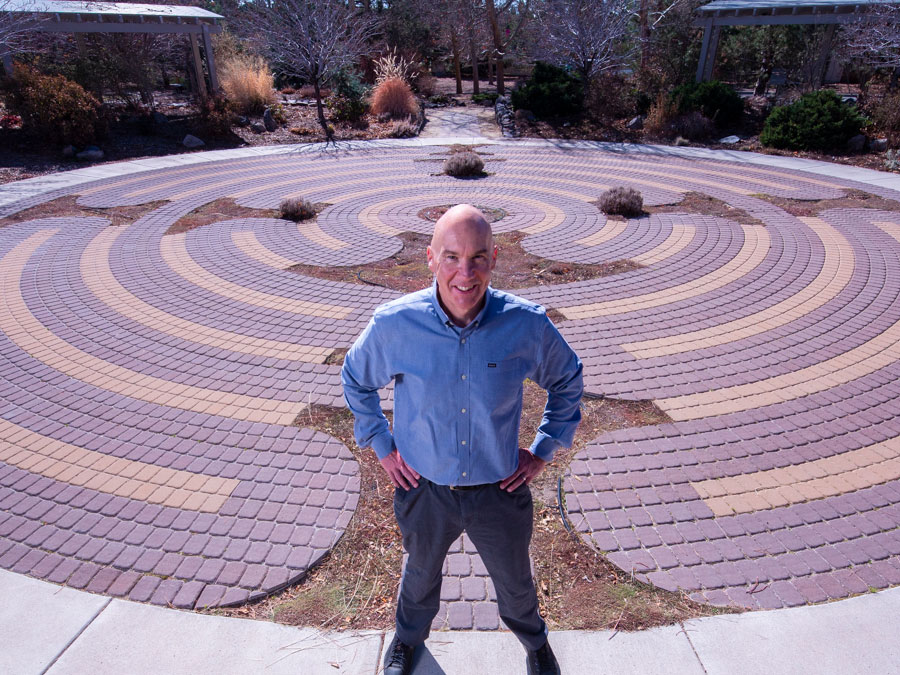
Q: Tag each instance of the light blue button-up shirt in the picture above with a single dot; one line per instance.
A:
(458, 391)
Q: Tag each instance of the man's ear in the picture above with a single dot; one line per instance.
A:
(429, 256)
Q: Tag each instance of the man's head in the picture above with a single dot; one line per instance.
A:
(462, 256)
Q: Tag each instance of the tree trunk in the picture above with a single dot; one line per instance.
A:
(768, 63)
(498, 44)
(645, 32)
(490, 70)
(454, 44)
(329, 135)
(473, 54)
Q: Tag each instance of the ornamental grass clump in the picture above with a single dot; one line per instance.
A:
(297, 209)
(462, 164)
(394, 97)
(622, 201)
(404, 129)
(247, 83)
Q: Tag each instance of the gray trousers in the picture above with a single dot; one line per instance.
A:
(499, 523)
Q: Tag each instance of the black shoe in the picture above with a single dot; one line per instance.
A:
(398, 660)
(541, 661)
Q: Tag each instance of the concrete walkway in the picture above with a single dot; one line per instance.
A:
(48, 629)
(474, 122)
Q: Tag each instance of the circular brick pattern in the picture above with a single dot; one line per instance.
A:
(152, 385)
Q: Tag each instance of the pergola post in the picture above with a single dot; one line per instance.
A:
(210, 61)
(198, 66)
(708, 50)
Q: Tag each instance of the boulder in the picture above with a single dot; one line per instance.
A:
(856, 143)
(90, 154)
(879, 145)
(258, 128)
(241, 121)
(68, 151)
(730, 140)
(269, 121)
(191, 142)
(635, 123)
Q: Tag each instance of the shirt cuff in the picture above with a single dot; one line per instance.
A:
(544, 447)
(383, 444)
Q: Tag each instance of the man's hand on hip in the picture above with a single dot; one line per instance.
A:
(529, 468)
(402, 474)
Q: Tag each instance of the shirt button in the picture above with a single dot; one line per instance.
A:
(463, 442)
(463, 340)
(464, 474)
(463, 377)
(463, 410)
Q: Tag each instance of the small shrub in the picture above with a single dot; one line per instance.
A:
(287, 91)
(278, 113)
(52, 108)
(309, 91)
(461, 164)
(487, 98)
(297, 209)
(441, 99)
(622, 201)
(819, 120)
(892, 160)
(612, 97)
(551, 92)
(693, 125)
(885, 115)
(247, 83)
(715, 100)
(393, 96)
(404, 129)
(344, 109)
(303, 131)
(215, 119)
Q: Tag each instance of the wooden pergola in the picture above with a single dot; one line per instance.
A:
(67, 16)
(720, 13)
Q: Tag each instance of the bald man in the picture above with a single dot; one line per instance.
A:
(458, 353)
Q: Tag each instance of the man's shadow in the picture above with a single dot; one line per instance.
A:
(424, 663)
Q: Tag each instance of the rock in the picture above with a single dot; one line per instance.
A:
(730, 140)
(90, 154)
(241, 121)
(681, 141)
(523, 115)
(635, 123)
(878, 145)
(159, 119)
(269, 121)
(191, 142)
(258, 128)
(856, 143)
(68, 151)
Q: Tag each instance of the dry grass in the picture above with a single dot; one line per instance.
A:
(394, 97)
(853, 199)
(216, 211)
(696, 202)
(247, 82)
(68, 207)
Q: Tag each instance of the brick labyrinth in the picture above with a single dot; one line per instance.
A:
(152, 386)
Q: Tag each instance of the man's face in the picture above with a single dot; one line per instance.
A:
(462, 257)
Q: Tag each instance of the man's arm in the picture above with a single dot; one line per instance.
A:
(364, 372)
(559, 371)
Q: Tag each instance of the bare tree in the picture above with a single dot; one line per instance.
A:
(502, 12)
(311, 39)
(874, 37)
(591, 36)
(17, 24)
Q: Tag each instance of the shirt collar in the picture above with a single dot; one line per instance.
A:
(442, 315)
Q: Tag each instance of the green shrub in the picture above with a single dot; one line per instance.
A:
(715, 100)
(622, 201)
(344, 109)
(297, 209)
(818, 120)
(53, 108)
(488, 98)
(461, 164)
(215, 119)
(551, 92)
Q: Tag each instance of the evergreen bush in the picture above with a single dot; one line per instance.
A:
(818, 120)
(551, 92)
(715, 100)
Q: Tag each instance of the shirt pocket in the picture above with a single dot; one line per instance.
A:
(501, 383)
